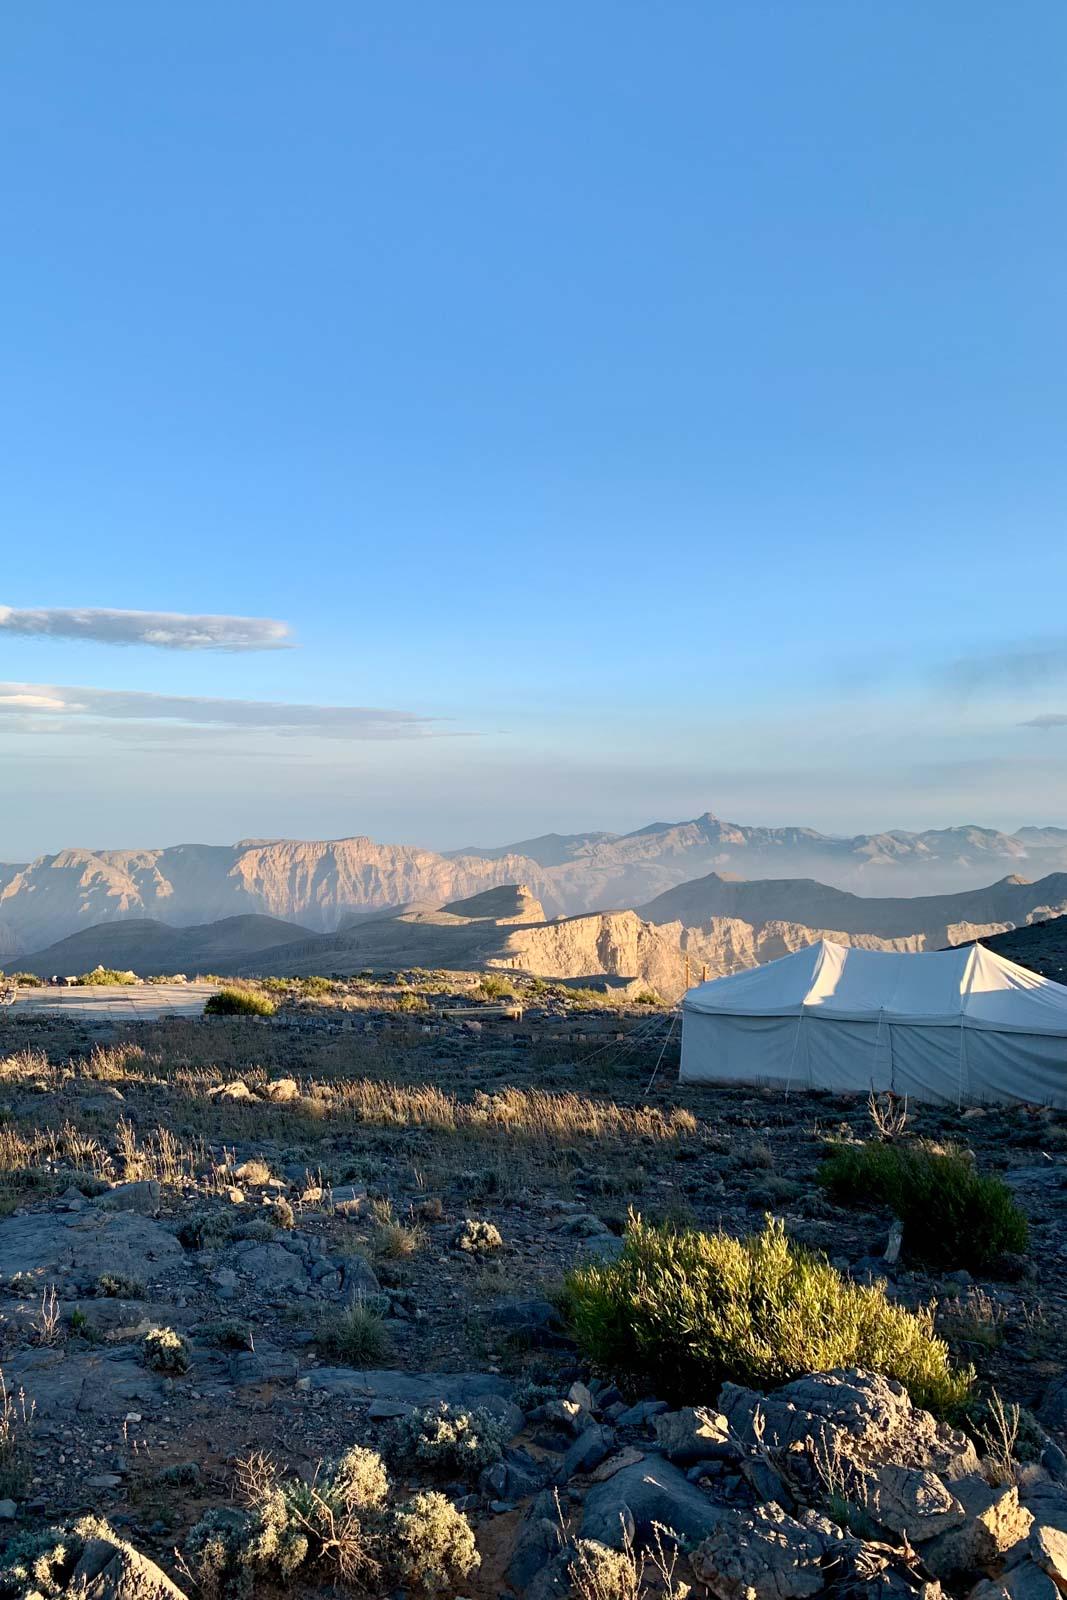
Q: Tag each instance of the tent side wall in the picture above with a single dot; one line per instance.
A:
(943, 1065)
(804, 1052)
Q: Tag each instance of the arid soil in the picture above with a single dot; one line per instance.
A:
(244, 1181)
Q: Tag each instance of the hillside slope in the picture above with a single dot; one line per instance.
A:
(315, 883)
(146, 947)
(935, 919)
(1042, 947)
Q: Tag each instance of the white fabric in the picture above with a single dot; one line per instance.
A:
(952, 1025)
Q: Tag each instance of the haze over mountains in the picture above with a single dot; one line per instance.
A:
(352, 904)
(320, 884)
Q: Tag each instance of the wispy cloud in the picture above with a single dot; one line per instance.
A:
(43, 702)
(1026, 664)
(165, 630)
(1049, 719)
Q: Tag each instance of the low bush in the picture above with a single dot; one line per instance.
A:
(682, 1312)
(23, 980)
(39, 1562)
(166, 1351)
(477, 1238)
(493, 988)
(232, 1002)
(357, 1336)
(448, 1440)
(952, 1215)
(116, 1286)
(431, 1543)
(105, 977)
(339, 1526)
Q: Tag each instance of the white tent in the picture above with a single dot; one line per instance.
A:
(962, 1026)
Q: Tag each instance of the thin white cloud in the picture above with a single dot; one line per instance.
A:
(1023, 664)
(79, 705)
(1050, 719)
(165, 630)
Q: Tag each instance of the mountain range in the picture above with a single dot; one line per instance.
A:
(321, 884)
(710, 926)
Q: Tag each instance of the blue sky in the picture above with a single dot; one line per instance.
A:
(661, 407)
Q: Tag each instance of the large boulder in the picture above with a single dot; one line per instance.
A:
(867, 1416)
(75, 1249)
(111, 1569)
(64, 1383)
(910, 1501)
(694, 1434)
(994, 1522)
(763, 1556)
(648, 1495)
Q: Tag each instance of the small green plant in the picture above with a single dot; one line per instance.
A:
(494, 988)
(281, 1214)
(448, 1440)
(208, 1230)
(22, 980)
(393, 1240)
(228, 1333)
(356, 1336)
(116, 1286)
(681, 1313)
(233, 1002)
(648, 997)
(952, 1215)
(166, 1351)
(411, 1002)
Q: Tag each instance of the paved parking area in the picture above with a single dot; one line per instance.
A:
(121, 1003)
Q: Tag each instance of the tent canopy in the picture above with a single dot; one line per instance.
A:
(968, 987)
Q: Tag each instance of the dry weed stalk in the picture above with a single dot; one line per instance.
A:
(888, 1113)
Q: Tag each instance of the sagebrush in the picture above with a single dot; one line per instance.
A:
(448, 1439)
(338, 1525)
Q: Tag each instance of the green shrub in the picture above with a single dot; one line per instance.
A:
(411, 1002)
(450, 1441)
(232, 1002)
(104, 977)
(493, 988)
(228, 1333)
(207, 1230)
(166, 1351)
(357, 1336)
(681, 1313)
(952, 1215)
(24, 980)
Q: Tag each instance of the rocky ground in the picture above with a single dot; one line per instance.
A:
(246, 1183)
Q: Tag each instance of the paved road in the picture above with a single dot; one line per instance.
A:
(120, 1003)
